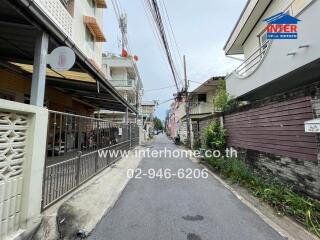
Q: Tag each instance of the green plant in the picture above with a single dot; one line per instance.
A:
(223, 101)
(197, 143)
(215, 136)
(281, 197)
(157, 124)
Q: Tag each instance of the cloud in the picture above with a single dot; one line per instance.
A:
(201, 29)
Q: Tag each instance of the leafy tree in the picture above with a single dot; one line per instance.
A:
(223, 101)
(157, 124)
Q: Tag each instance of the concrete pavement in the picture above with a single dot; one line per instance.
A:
(179, 209)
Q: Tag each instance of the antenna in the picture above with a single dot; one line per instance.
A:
(123, 24)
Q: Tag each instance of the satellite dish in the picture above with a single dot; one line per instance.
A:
(61, 59)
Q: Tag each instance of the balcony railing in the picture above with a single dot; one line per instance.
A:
(253, 61)
(201, 108)
(57, 11)
(123, 83)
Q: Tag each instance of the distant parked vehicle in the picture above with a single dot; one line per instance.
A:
(177, 140)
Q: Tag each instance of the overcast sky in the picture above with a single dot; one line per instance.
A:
(201, 29)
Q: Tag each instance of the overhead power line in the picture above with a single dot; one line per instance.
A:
(153, 7)
(157, 89)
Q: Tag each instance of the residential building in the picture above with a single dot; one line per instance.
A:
(176, 113)
(279, 79)
(82, 21)
(46, 116)
(148, 109)
(202, 108)
(123, 74)
(201, 111)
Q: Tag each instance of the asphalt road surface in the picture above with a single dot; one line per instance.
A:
(179, 209)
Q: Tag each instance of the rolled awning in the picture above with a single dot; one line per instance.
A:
(94, 28)
(101, 3)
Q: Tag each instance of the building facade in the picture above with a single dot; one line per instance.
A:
(123, 74)
(82, 21)
(279, 81)
(201, 101)
(46, 116)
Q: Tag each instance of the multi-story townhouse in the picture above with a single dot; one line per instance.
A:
(202, 108)
(123, 74)
(148, 109)
(47, 129)
(279, 80)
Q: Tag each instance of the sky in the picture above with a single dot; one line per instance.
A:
(201, 28)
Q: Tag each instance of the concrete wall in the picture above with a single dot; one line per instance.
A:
(22, 153)
(199, 129)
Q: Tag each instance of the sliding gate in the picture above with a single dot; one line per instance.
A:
(78, 148)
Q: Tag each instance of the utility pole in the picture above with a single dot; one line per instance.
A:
(189, 140)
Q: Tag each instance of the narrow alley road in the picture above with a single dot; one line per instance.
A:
(179, 209)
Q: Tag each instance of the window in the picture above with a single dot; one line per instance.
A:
(92, 4)
(202, 97)
(90, 39)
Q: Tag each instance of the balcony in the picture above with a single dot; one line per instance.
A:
(200, 108)
(280, 65)
(56, 10)
(129, 83)
(252, 62)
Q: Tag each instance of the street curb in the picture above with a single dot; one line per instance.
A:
(280, 230)
(85, 208)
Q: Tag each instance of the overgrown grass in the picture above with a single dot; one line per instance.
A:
(282, 198)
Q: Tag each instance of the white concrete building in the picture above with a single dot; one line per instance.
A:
(279, 82)
(82, 21)
(32, 96)
(273, 66)
(148, 109)
(124, 75)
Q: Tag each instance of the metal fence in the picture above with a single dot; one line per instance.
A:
(78, 148)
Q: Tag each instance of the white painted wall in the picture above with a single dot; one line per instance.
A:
(252, 43)
(21, 187)
(74, 26)
(81, 9)
(276, 62)
(119, 73)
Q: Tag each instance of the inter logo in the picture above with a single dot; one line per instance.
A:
(282, 26)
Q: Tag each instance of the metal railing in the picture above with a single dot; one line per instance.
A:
(123, 83)
(252, 61)
(200, 108)
(73, 146)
